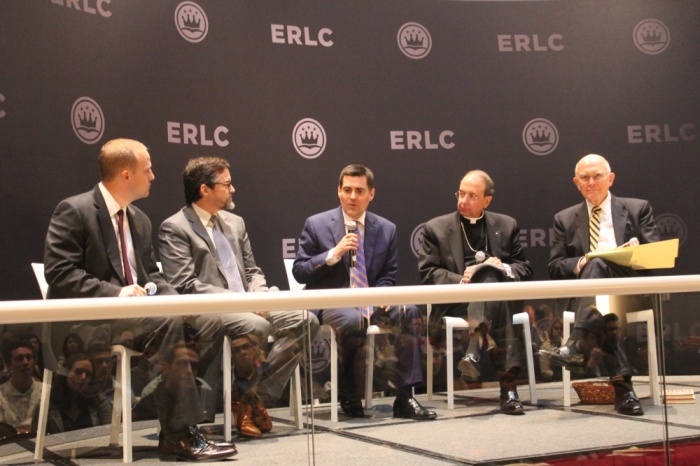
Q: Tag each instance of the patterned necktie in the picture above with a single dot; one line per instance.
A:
(125, 256)
(227, 258)
(358, 274)
(594, 227)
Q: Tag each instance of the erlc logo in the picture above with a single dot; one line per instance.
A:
(88, 120)
(191, 22)
(540, 136)
(672, 226)
(651, 36)
(414, 40)
(309, 138)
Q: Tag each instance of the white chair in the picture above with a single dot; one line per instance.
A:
(325, 331)
(568, 321)
(452, 323)
(121, 406)
(648, 317)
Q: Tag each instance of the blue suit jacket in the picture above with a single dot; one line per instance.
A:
(323, 231)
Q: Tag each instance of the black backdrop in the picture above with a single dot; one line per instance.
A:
(619, 78)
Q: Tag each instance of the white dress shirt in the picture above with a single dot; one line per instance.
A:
(330, 257)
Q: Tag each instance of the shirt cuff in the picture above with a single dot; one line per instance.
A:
(509, 271)
(577, 269)
(330, 258)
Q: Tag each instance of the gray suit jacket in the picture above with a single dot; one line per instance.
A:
(631, 218)
(441, 256)
(189, 258)
(81, 255)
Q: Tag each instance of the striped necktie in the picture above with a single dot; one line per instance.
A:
(358, 274)
(227, 257)
(594, 227)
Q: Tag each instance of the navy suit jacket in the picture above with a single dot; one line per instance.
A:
(81, 256)
(631, 218)
(323, 231)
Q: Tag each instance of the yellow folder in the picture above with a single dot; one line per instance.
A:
(661, 255)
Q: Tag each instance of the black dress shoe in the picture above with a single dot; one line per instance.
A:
(409, 408)
(567, 356)
(352, 407)
(469, 366)
(510, 404)
(204, 438)
(193, 447)
(629, 405)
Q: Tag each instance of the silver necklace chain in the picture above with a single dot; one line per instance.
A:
(486, 238)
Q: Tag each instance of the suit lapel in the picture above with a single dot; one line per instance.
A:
(493, 233)
(109, 237)
(199, 229)
(582, 232)
(370, 238)
(454, 237)
(619, 219)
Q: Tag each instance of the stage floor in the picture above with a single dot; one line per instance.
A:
(473, 433)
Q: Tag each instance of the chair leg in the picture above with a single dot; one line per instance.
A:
(295, 399)
(648, 317)
(429, 369)
(226, 363)
(43, 415)
(334, 378)
(524, 319)
(565, 374)
(117, 406)
(369, 372)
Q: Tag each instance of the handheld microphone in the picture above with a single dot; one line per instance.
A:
(150, 288)
(480, 257)
(350, 227)
(632, 242)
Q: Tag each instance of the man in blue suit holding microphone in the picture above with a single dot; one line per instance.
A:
(351, 247)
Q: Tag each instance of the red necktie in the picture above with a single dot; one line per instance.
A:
(125, 257)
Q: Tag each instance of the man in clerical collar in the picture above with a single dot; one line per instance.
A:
(476, 246)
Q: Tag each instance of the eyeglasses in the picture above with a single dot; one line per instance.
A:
(472, 197)
(598, 177)
(226, 185)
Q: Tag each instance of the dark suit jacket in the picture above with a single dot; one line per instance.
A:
(190, 261)
(441, 255)
(323, 231)
(81, 255)
(631, 218)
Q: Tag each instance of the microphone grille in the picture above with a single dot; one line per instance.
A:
(634, 242)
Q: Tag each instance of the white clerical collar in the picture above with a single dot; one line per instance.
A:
(112, 205)
(474, 220)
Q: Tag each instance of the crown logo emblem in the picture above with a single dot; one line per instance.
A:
(671, 226)
(87, 120)
(191, 21)
(320, 356)
(417, 239)
(309, 138)
(540, 136)
(414, 40)
(651, 36)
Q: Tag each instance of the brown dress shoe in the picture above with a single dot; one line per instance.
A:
(261, 418)
(192, 448)
(243, 415)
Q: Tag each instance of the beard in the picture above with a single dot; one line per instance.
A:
(230, 205)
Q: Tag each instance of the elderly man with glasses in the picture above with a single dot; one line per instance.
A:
(601, 222)
(475, 246)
